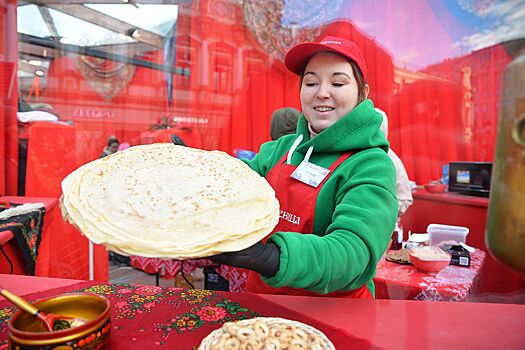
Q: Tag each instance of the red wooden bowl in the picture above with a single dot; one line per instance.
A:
(26, 332)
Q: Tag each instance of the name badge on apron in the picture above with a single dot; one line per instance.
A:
(310, 173)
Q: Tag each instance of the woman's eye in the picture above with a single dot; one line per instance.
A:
(338, 84)
(310, 84)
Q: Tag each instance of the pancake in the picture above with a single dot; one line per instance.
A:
(170, 201)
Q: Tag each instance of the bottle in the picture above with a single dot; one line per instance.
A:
(505, 233)
(445, 170)
(397, 236)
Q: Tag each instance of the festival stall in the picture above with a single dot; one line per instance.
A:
(209, 77)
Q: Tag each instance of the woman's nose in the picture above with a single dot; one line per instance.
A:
(323, 91)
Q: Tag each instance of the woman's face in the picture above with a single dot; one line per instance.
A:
(329, 90)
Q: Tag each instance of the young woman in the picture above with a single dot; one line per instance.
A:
(334, 181)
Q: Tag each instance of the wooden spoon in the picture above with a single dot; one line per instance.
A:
(52, 322)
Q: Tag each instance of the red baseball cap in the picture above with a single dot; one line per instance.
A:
(298, 56)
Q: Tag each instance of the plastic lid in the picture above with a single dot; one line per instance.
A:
(419, 237)
(448, 228)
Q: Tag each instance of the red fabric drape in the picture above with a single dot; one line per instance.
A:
(64, 253)
(8, 98)
(479, 92)
(429, 120)
(55, 150)
(436, 114)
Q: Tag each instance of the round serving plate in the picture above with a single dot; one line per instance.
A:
(326, 344)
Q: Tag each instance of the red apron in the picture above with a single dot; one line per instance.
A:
(297, 208)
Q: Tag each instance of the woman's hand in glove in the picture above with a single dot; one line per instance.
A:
(262, 258)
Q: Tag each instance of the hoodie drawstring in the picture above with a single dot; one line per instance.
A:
(308, 154)
(292, 149)
(294, 146)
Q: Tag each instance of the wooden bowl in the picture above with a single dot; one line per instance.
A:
(26, 332)
(435, 188)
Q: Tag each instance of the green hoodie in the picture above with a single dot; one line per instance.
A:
(356, 208)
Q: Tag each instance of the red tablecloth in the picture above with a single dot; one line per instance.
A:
(26, 229)
(390, 324)
(167, 268)
(63, 251)
(393, 281)
(454, 283)
(170, 268)
(149, 317)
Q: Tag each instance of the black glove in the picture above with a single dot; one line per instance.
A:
(177, 141)
(262, 258)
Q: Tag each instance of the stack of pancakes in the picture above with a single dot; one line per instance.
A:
(170, 201)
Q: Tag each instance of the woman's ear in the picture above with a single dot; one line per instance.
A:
(366, 90)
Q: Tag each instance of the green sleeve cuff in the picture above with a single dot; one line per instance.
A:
(277, 279)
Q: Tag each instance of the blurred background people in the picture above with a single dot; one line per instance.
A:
(123, 146)
(403, 188)
(112, 147)
(284, 122)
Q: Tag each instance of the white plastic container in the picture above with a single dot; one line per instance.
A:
(417, 240)
(440, 233)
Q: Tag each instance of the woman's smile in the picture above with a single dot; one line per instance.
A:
(324, 109)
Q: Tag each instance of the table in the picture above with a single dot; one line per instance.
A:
(23, 224)
(387, 324)
(10, 248)
(451, 208)
(63, 250)
(392, 281)
(454, 283)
